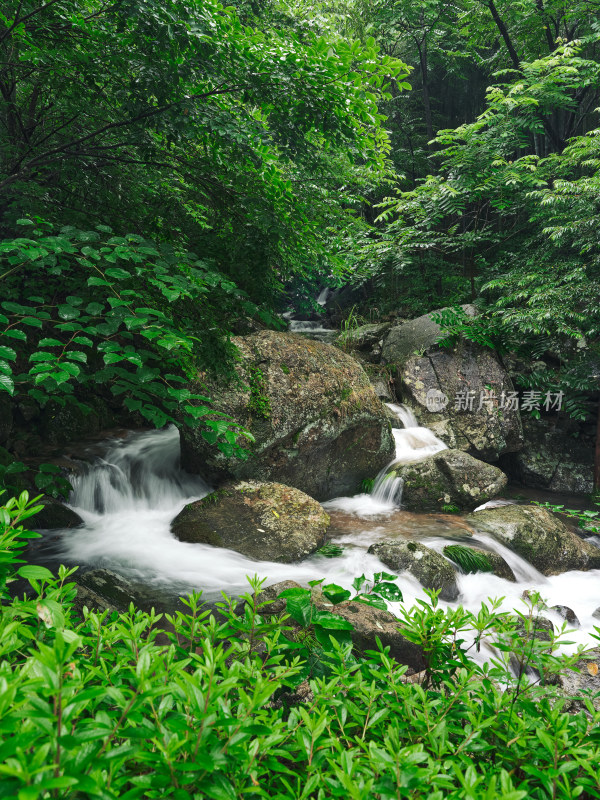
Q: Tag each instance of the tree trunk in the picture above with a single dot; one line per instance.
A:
(422, 47)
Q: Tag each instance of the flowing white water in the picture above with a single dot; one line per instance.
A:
(413, 443)
(129, 498)
(323, 295)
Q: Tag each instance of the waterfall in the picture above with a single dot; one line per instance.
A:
(413, 443)
(323, 295)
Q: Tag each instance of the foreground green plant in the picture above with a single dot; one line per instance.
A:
(587, 519)
(468, 560)
(191, 706)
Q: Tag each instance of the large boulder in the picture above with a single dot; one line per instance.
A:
(54, 514)
(538, 536)
(449, 478)
(316, 420)
(468, 380)
(431, 569)
(266, 521)
(369, 624)
(552, 459)
(365, 339)
(582, 682)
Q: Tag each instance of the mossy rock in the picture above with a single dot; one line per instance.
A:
(538, 536)
(317, 423)
(264, 521)
(450, 477)
(431, 569)
(493, 562)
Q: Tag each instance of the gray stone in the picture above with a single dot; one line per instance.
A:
(317, 423)
(552, 459)
(583, 681)
(432, 570)
(567, 614)
(114, 590)
(266, 521)
(450, 477)
(55, 514)
(422, 367)
(382, 390)
(538, 536)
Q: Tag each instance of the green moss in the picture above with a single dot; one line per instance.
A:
(259, 404)
(285, 368)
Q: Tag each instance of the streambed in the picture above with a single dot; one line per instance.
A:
(128, 498)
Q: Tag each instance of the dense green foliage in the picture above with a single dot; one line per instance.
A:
(180, 167)
(165, 169)
(135, 706)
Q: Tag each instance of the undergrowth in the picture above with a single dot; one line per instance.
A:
(206, 703)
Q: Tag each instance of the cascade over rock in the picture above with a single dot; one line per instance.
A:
(266, 521)
(450, 477)
(538, 536)
(420, 366)
(318, 424)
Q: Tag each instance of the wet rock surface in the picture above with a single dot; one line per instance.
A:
(431, 569)
(317, 423)
(539, 537)
(584, 681)
(450, 477)
(55, 515)
(266, 521)
(552, 459)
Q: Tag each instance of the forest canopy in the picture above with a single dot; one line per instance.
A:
(171, 172)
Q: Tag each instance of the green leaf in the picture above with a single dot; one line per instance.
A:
(371, 600)
(331, 621)
(15, 333)
(94, 281)
(118, 274)
(7, 384)
(68, 312)
(7, 352)
(35, 572)
(77, 355)
(41, 356)
(335, 594)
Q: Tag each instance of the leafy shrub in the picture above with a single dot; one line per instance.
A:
(112, 706)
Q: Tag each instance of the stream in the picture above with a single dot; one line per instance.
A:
(129, 496)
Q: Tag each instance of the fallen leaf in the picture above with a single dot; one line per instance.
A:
(592, 668)
(44, 614)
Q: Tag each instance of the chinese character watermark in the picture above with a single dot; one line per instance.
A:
(469, 400)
